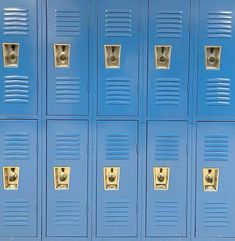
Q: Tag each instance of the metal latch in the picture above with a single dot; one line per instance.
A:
(61, 178)
(111, 178)
(11, 178)
(161, 176)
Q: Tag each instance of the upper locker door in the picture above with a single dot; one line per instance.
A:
(67, 62)
(18, 181)
(166, 179)
(18, 37)
(118, 57)
(117, 179)
(67, 143)
(215, 209)
(168, 57)
(216, 86)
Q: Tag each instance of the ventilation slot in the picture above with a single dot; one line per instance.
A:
(166, 214)
(68, 90)
(67, 147)
(116, 213)
(169, 24)
(167, 91)
(16, 89)
(16, 146)
(216, 148)
(216, 215)
(219, 25)
(16, 21)
(67, 23)
(67, 213)
(118, 23)
(167, 148)
(16, 213)
(118, 91)
(117, 147)
(218, 92)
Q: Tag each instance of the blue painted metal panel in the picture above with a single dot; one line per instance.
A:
(215, 210)
(67, 143)
(18, 85)
(166, 209)
(67, 88)
(167, 88)
(216, 87)
(118, 23)
(18, 208)
(117, 209)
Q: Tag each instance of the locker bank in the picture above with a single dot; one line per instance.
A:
(117, 120)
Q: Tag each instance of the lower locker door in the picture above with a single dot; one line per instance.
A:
(215, 209)
(166, 179)
(117, 179)
(67, 143)
(18, 192)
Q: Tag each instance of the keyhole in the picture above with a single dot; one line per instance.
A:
(112, 176)
(63, 56)
(209, 177)
(13, 176)
(63, 175)
(161, 176)
(211, 58)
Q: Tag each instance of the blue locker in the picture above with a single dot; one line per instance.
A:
(168, 70)
(166, 209)
(116, 210)
(215, 85)
(215, 210)
(118, 25)
(67, 84)
(18, 207)
(18, 38)
(67, 143)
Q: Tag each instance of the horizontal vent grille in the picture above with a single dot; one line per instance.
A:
(16, 89)
(117, 147)
(166, 214)
(216, 148)
(216, 215)
(167, 91)
(68, 90)
(219, 25)
(118, 23)
(218, 91)
(116, 214)
(67, 147)
(67, 23)
(169, 24)
(16, 213)
(118, 91)
(67, 213)
(16, 146)
(16, 21)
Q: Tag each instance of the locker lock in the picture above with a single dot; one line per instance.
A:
(61, 178)
(111, 178)
(161, 177)
(213, 57)
(10, 54)
(112, 56)
(162, 56)
(210, 179)
(62, 55)
(11, 178)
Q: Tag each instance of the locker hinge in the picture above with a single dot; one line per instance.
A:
(137, 208)
(87, 149)
(139, 25)
(87, 208)
(138, 86)
(137, 149)
(88, 87)
(189, 25)
(187, 150)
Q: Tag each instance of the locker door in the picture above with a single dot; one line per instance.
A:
(215, 208)
(168, 57)
(67, 143)
(216, 53)
(117, 204)
(118, 57)
(167, 197)
(18, 62)
(67, 65)
(18, 202)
